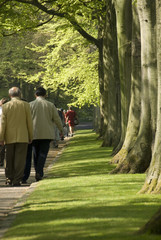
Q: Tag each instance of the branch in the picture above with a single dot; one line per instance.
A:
(72, 20)
(78, 28)
(28, 28)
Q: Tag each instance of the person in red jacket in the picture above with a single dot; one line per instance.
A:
(70, 117)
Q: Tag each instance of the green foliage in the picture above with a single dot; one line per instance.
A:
(17, 16)
(16, 61)
(69, 63)
(66, 63)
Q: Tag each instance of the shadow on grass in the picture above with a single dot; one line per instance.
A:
(87, 164)
(81, 222)
(83, 157)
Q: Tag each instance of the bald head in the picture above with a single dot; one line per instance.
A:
(14, 92)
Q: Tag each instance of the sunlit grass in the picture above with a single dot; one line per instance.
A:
(81, 201)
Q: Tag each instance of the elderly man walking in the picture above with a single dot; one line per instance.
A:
(16, 131)
(44, 116)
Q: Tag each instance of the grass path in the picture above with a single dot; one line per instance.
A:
(81, 201)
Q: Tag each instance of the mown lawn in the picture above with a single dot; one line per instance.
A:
(80, 201)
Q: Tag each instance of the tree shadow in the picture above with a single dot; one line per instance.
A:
(84, 222)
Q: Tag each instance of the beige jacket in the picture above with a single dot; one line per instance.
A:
(44, 115)
(16, 122)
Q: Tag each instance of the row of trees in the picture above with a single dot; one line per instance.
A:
(126, 35)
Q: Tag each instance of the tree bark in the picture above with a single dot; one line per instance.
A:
(124, 34)
(153, 225)
(138, 159)
(111, 79)
(96, 119)
(134, 110)
(153, 179)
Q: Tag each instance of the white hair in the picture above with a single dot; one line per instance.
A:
(14, 92)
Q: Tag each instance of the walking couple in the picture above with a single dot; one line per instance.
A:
(27, 127)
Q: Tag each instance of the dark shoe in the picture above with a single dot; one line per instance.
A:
(24, 182)
(17, 184)
(38, 177)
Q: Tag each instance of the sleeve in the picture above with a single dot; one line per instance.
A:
(3, 124)
(29, 122)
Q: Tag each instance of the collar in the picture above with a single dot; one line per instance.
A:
(40, 98)
(15, 98)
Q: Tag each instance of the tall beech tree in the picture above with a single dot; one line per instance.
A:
(124, 34)
(138, 157)
(111, 79)
(134, 110)
(153, 179)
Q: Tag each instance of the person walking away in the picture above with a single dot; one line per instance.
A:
(16, 131)
(44, 115)
(71, 116)
(2, 147)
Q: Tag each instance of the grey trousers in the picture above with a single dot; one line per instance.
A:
(15, 161)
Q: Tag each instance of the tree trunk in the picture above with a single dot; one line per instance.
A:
(153, 225)
(96, 119)
(153, 179)
(134, 110)
(101, 79)
(124, 34)
(111, 79)
(138, 159)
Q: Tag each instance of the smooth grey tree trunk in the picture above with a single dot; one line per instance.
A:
(135, 103)
(153, 179)
(139, 157)
(124, 34)
(111, 79)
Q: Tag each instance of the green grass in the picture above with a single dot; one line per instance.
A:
(81, 201)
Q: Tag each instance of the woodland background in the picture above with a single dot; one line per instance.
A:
(99, 55)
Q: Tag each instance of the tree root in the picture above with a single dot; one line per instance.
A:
(149, 187)
(153, 225)
(120, 156)
(122, 168)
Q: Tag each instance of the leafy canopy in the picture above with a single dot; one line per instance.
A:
(69, 63)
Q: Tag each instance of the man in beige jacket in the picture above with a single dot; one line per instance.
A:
(44, 116)
(16, 131)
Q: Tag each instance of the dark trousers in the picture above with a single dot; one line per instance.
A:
(15, 161)
(28, 163)
(40, 151)
(2, 155)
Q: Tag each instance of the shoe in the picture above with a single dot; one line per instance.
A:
(8, 181)
(24, 182)
(38, 177)
(18, 184)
